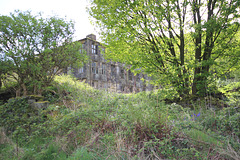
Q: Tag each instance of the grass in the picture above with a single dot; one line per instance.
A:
(200, 136)
(84, 123)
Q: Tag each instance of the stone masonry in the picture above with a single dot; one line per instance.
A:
(108, 75)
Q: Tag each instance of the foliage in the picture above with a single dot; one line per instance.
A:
(18, 113)
(227, 67)
(85, 123)
(232, 91)
(4, 70)
(226, 122)
(178, 42)
(37, 48)
(50, 94)
(84, 154)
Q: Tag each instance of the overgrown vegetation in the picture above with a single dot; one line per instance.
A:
(181, 43)
(84, 123)
(34, 49)
(189, 48)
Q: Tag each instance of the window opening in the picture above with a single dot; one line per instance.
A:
(103, 69)
(94, 49)
(80, 70)
(122, 75)
(113, 71)
(94, 68)
(129, 75)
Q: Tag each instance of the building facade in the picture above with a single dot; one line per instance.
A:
(110, 76)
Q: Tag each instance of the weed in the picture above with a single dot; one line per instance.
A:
(84, 123)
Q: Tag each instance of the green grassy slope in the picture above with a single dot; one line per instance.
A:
(84, 123)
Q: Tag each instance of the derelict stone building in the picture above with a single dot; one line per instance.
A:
(110, 76)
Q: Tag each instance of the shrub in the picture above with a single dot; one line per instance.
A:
(18, 118)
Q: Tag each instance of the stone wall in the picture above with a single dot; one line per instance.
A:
(110, 76)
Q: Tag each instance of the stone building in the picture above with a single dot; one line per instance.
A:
(110, 76)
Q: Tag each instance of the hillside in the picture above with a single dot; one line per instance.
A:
(84, 123)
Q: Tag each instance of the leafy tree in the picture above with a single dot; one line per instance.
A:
(228, 66)
(4, 70)
(175, 41)
(38, 47)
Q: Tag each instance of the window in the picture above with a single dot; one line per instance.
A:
(105, 85)
(94, 68)
(82, 48)
(122, 88)
(95, 84)
(103, 69)
(138, 77)
(129, 75)
(94, 49)
(144, 88)
(112, 70)
(122, 75)
(131, 89)
(80, 70)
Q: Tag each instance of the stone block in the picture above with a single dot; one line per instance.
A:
(41, 104)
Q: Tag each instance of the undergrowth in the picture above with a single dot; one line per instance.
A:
(84, 123)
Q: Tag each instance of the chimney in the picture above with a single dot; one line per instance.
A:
(92, 36)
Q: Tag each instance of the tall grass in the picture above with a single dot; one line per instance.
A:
(84, 123)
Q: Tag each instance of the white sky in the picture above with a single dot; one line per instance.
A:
(71, 9)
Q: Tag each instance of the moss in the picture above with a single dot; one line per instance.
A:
(42, 102)
(12, 98)
(37, 97)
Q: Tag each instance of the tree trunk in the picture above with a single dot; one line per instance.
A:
(18, 92)
(35, 90)
(40, 92)
(205, 73)
(186, 83)
(196, 80)
(198, 47)
(0, 82)
(24, 89)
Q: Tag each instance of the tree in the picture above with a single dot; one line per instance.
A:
(175, 41)
(39, 48)
(229, 64)
(4, 70)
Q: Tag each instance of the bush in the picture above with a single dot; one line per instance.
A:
(226, 122)
(85, 123)
(18, 118)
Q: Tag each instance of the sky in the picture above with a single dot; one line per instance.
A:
(70, 9)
